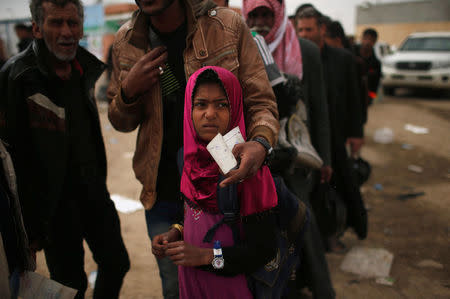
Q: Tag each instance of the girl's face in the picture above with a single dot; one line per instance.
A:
(210, 112)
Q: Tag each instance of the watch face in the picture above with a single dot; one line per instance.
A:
(218, 263)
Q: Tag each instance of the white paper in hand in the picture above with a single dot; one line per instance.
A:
(233, 137)
(221, 154)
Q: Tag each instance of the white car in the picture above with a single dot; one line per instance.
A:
(423, 60)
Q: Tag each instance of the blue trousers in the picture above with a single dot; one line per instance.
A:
(159, 219)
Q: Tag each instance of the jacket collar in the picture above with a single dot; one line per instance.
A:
(194, 9)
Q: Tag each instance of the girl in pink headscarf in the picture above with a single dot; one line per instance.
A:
(213, 104)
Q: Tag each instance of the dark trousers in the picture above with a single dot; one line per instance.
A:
(313, 270)
(94, 219)
(348, 188)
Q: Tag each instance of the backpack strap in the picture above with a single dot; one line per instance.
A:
(227, 202)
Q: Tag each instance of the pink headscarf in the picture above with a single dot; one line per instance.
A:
(282, 39)
(201, 173)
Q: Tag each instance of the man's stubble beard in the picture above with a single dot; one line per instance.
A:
(59, 56)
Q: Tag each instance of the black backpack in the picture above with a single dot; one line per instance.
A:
(270, 281)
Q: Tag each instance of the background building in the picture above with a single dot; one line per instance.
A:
(395, 21)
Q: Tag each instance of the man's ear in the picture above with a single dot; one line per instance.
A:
(323, 29)
(37, 32)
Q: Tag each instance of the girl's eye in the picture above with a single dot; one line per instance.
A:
(199, 104)
(223, 105)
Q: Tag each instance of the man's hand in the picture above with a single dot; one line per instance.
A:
(144, 73)
(355, 144)
(184, 254)
(252, 155)
(325, 174)
(159, 242)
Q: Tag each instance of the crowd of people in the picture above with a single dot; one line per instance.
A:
(182, 72)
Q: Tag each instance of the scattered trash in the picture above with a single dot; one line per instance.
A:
(387, 281)
(387, 231)
(430, 264)
(125, 205)
(415, 168)
(113, 141)
(407, 146)
(383, 136)
(368, 262)
(92, 279)
(410, 195)
(378, 187)
(354, 281)
(108, 127)
(416, 129)
(128, 155)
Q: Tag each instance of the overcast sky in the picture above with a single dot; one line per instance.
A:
(342, 10)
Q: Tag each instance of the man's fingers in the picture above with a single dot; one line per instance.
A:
(234, 176)
(237, 149)
(153, 54)
(156, 63)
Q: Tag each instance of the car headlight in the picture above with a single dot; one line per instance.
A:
(441, 64)
(389, 63)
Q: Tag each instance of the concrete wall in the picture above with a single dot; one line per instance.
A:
(404, 12)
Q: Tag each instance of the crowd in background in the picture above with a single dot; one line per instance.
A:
(181, 71)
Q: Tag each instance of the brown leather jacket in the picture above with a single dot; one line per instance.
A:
(216, 36)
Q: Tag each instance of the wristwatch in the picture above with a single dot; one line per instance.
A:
(218, 260)
(267, 146)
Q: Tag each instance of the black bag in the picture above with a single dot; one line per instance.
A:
(360, 169)
(329, 209)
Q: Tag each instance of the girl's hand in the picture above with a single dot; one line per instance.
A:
(159, 242)
(184, 254)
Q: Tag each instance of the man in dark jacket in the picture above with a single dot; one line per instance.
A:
(345, 110)
(50, 120)
(373, 65)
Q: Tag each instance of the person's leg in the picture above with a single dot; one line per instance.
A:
(347, 186)
(159, 219)
(64, 253)
(313, 270)
(103, 235)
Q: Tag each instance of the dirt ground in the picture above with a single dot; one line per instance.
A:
(413, 230)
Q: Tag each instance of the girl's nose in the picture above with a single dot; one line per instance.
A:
(210, 112)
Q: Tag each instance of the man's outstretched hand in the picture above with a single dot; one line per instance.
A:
(252, 155)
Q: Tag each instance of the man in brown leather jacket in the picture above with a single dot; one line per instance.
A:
(153, 55)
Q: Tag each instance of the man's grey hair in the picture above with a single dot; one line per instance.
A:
(37, 11)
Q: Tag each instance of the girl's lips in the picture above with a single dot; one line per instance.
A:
(210, 126)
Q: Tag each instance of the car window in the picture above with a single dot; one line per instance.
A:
(427, 44)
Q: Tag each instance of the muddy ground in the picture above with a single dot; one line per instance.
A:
(413, 230)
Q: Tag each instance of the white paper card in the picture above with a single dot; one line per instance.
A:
(221, 154)
(233, 137)
(35, 286)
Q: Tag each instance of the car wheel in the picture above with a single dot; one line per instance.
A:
(389, 91)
